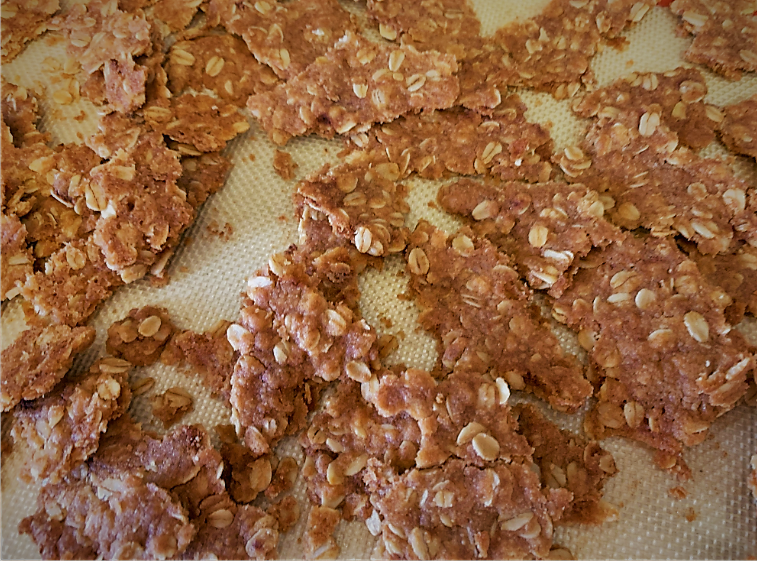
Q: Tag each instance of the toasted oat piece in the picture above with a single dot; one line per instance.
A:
(141, 336)
(16, 256)
(36, 361)
(382, 84)
(288, 37)
(284, 165)
(172, 405)
(569, 461)
(62, 429)
(203, 176)
(676, 96)
(738, 130)
(479, 311)
(22, 22)
(362, 201)
(434, 144)
(656, 331)
(544, 227)
(645, 180)
(197, 120)
(319, 538)
(177, 14)
(286, 512)
(249, 474)
(458, 511)
(725, 34)
(222, 64)
(290, 338)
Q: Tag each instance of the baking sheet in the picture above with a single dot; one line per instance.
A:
(718, 518)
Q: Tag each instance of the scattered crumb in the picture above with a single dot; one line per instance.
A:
(432, 204)
(224, 233)
(81, 116)
(284, 165)
(183, 269)
(629, 63)
(251, 157)
(172, 405)
(678, 493)
(691, 515)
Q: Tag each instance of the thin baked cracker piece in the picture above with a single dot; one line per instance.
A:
(288, 36)
(197, 120)
(473, 302)
(362, 201)
(203, 176)
(141, 336)
(738, 130)
(436, 143)
(459, 511)
(62, 429)
(667, 362)
(222, 64)
(725, 34)
(544, 227)
(572, 462)
(355, 84)
(676, 96)
(22, 21)
(37, 360)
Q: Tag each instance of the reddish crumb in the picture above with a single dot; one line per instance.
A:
(251, 157)
(183, 269)
(283, 218)
(678, 493)
(432, 204)
(386, 322)
(691, 515)
(664, 3)
(80, 136)
(405, 297)
(629, 63)
(224, 233)
(284, 165)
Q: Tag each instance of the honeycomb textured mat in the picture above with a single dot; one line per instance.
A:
(717, 519)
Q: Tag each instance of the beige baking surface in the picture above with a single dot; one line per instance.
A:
(208, 274)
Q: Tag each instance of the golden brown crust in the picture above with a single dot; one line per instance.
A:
(738, 130)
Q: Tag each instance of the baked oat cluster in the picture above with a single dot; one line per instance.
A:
(643, 247)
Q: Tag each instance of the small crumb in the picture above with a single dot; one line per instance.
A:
(80, 136)
(224, 233)
(432, 204)
(678, 493)
(284, 165)
(251, 157)
(629, 62)
(81, 116)
(183, 269)
(386, 322)
(283, 218)
(172, 405)
(691, 515)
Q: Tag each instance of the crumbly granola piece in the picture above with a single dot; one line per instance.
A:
(125, 83)
(20, 110)
(35, 362)
(197, 120)
(676, 96)
(646, 180)
(222, 64)
(725, 34)
(24, 174)
(382, 83)
(569, 461)
(472, 300)
(288, 37)
(141, 336)
(290, 338)
(63, 428)
(171, 406)
(177, 14)
(362, 201)
(544, 227)
(23, 21)
(16, 256)
(249, 475)
(74, 283)
(319, 533)
(666, 361)
(286, 512)
(283, 478)
(738, 130)
(203, 176)
(436, 143)
(458, 511)
(284, 165)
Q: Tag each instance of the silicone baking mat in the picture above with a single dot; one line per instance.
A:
(717, 519)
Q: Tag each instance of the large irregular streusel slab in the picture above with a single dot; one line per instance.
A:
(362, 201)
(141, 336)
(569, 461)
(222, 64)
(289, 36)
(434, 144)
(725, 34)
(739, 127)
(355, 84)
(544, 227)
(15, 255)
(667, 362)
(458, 511)
(472, 300)
(63, 428)
(676, 96)
(35, 362)
(22, 21)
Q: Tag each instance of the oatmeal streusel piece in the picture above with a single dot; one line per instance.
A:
(459, 511)
(319, 533)
(436, 143)
(141, 335)
(382, 83)
(203, 176)
(473, 302)
(177, 14)
(544, 227)
(569, 461)
(198, 120)
(666, 361)
(289, 36)
(23, 21)
(37, 360)
(739, 127)
(248, 474)
(62, 429)
(725, 34)
(222, 64)
(362, 201)
(172, 405)
(16, 256)
(21, 114)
